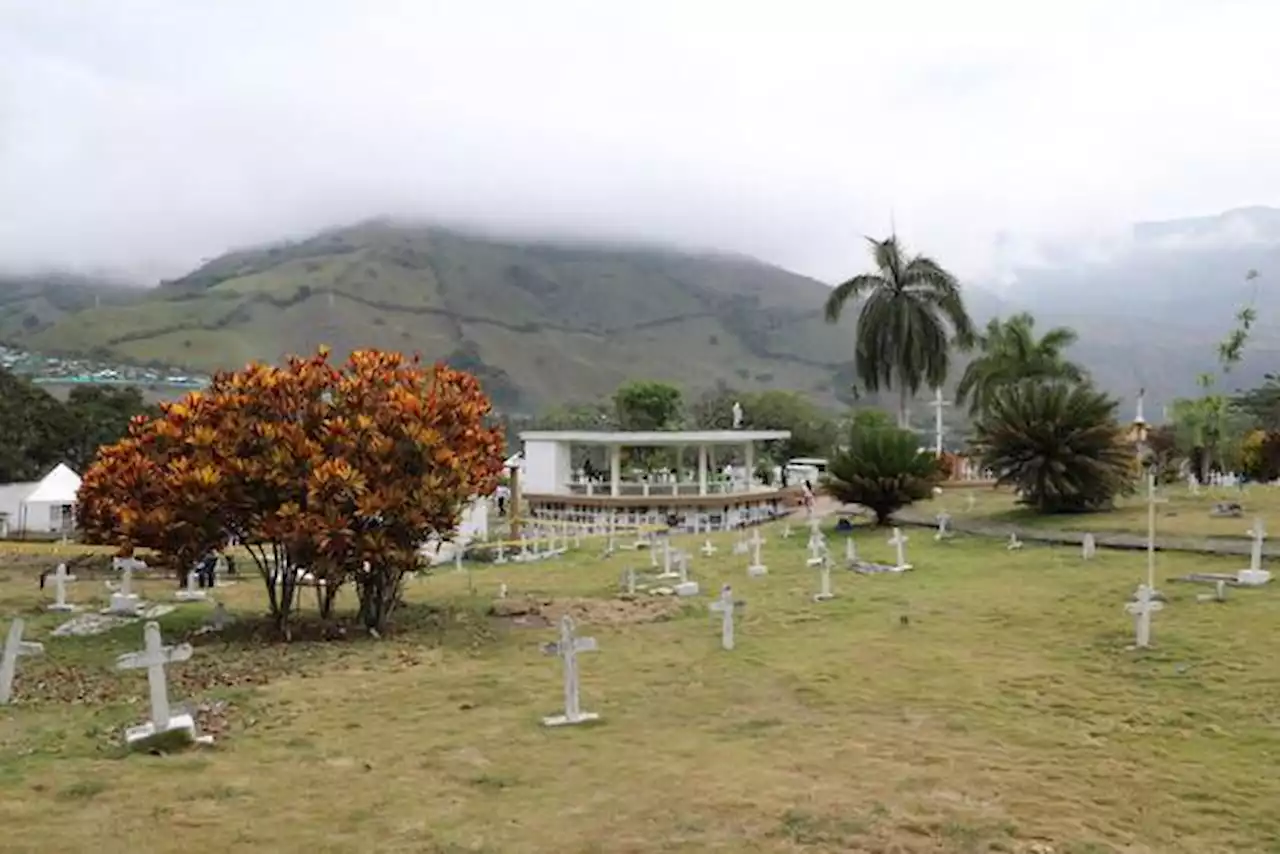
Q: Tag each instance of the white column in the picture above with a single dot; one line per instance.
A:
(702, 469)
(615, 470)
(749, 458)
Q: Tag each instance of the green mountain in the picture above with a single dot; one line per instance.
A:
(32, 303)
(538, 323)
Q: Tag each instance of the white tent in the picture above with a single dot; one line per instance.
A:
(46, 506)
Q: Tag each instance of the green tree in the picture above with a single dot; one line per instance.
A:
(911, 309)
(713, 409)
(99, 416)
(1010, 351)
(1058, 443)
(647, 405)
(813, 432)
(883, 470)
(35, 429)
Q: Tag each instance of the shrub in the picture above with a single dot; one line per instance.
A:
(883, 470)
(1058, 443)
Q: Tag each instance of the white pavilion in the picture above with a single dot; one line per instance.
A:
(698, 488)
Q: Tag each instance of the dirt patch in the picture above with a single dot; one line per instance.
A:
(539, 613)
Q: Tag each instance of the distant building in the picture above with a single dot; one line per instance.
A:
(46, 506)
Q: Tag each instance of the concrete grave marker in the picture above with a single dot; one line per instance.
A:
(153, 658)
(756, 568)
(60, 579)
(786, 530)
(1089, 547)
(1014, 543)
(1255, 575)
(725, 606)
(14, 646)
(501, 556)
(685, 587)
(707, 549)
(1142, 608)
(668, 571)
(944, 526)
(824, 581)
(124, 601)
(970, 502)
(850, 550)
(190, 593)
(899, 542)
(567, 648)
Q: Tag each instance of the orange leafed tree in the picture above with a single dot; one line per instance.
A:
(343, 471)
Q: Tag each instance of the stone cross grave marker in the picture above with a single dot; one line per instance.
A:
(190, 593)
(668, 555)
(629, 581)
(850, 549)
(1193, 484)
(817, 549)
(725, 606)
(502, 590)
(824, 581)
(899, 542)
(60, 579)
(501, 556)
(1142, 609)
(567, 648)
(124, 601)
(944, 526)
(1089, 547)
(756, 568)
(153, 658)
(1014, 543)
(970, 502)
(685, 587)
(708, 549)
(815, 526)
(786, 529)
(14, 646)
(1255, 574)
(756, 540)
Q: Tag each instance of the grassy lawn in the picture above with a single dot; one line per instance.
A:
(1182, 514)
(984, 702)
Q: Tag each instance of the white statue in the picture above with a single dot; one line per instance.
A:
(737, 415)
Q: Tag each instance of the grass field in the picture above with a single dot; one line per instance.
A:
(983, 702)
(1179, 513)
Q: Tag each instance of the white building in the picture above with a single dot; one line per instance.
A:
(695, 486)
(46, 506)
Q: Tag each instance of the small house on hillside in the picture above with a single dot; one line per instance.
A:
(46, 506)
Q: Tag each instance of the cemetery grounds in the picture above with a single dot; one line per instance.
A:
(984, 701)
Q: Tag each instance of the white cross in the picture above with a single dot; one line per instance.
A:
(970, 502)
(757, 567)
(60, 579)
(815, 527)
(1259, 534)
(629, 581)
(937, 405)
(190, 593)
(944, 526)
(1152, 501)
(1142, 610)
(724, 606)
(707, 548)
(824, 590)
(501, 557)
(1089, 547)
(1193, 484)
(125, 565)
(154, 657)
(850, 549)
(900, 543)
(817, 549)
(567, 648)
(1014, 543)
(756, 540)
(682, 566)
(14, 646)
(786, 530)
(667, 556)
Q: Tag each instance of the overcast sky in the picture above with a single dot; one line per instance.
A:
(145, 135)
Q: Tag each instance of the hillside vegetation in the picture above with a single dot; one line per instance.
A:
(538, 323)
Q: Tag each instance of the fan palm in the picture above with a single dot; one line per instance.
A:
(1010, 352)
(1059, 443)
(911, 306)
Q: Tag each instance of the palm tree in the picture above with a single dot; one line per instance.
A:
(1011, 352)
(910, 308)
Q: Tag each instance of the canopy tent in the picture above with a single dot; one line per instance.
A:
(57, 487)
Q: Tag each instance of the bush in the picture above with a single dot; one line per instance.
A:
(883, 470)
(1058, 443)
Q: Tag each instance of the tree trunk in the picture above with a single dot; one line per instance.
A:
(902, 405)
